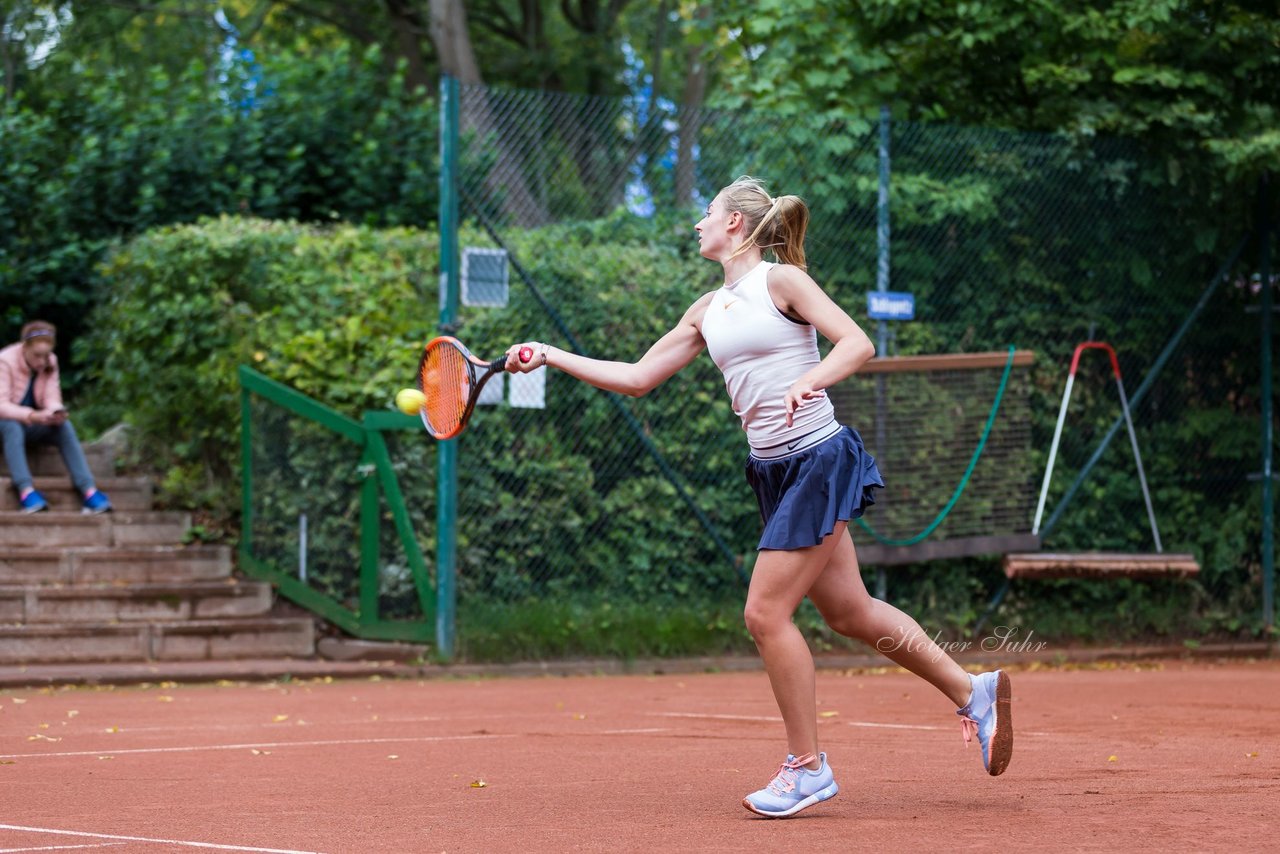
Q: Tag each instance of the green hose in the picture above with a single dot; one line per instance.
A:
(964, 481)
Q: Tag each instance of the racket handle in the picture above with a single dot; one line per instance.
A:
(526, 354)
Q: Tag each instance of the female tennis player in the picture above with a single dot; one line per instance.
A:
(810, 474)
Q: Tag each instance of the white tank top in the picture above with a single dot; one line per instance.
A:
(761, 352)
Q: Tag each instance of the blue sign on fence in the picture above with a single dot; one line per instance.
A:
(890, 305)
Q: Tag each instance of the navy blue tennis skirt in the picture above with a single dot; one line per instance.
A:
(804, 495)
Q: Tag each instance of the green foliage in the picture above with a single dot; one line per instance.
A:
(549, 628)
(326, 310)
(1194, 83)
(316, 139)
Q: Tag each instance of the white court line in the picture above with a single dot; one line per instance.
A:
(867, 724)
(779, 720)
(61, 847)
(107, 751)
(648, 731)
(292, 724)
(149, 839)
(716, 717)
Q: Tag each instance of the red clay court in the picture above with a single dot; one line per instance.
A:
(1135, 757)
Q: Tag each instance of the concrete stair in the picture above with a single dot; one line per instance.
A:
(123, 586)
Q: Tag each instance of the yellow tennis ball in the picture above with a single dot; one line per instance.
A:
(410, 400)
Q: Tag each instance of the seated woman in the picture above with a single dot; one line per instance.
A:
(31, 412)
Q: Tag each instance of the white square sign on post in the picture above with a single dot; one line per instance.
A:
(484, 277)
(529, 391)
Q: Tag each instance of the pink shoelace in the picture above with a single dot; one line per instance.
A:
(785, 780)
(968, 729)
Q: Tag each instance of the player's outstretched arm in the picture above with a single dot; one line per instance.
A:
(666, 357)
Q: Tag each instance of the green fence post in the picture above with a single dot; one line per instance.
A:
(447, 459)
(370, 547)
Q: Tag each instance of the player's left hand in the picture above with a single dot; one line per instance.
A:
(801, 391)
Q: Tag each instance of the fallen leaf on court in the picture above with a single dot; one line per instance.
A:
(101, 758)
(44, 726)
(256, 752)
(8, 762)
(579, 717)
(18, 700)
(393, 756)
(164, 698)
(41, 737)
(72, 713)
(478, 784)
(1113, 758)
(279, 718)
(168, 684)
(827, 714)
(1253, 755)
(113, 729)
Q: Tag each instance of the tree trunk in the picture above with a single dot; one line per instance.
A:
(506, 181)
(695, 92)
(410, 30)
(452, 39)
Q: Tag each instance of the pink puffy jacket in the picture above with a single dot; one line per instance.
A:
(15, 374)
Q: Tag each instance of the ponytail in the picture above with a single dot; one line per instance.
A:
(777, 224)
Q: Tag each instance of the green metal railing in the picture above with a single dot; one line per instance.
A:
(366, 449)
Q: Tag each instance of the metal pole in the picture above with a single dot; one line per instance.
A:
(302, 547)
(447, 451)
(882, 285)
(1142, 475)
(1053, 452)
(1268, 485)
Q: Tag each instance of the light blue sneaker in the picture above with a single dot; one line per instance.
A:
(989, 716)
(794, 788)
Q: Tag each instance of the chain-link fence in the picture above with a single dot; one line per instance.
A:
(589, 510)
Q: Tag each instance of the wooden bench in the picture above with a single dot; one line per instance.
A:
(1048, 565)
(1088, 565)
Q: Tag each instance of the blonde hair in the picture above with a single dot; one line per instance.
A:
(773, 224)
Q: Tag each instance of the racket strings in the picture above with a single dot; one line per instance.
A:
(446, 384)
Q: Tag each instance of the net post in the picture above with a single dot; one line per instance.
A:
(447, 453)
(882, 285)
(246, 468)
(1268, 485)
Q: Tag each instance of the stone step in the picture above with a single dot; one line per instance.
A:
(98, 564)
(45, 461)
(52, 529)
(127, 603)
(190, 640)
(127, 494)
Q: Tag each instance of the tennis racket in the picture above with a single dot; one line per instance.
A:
(450, 379)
